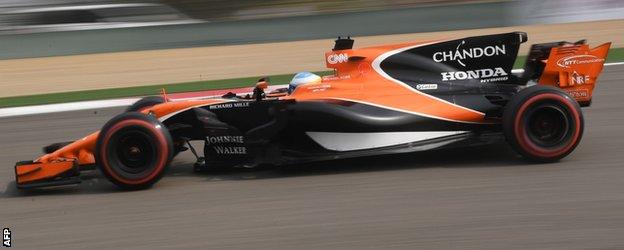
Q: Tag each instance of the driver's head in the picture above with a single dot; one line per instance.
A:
(302, 78)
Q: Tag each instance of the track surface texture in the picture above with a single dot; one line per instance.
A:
(475, 198)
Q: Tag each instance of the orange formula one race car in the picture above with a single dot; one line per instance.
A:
(380, 100)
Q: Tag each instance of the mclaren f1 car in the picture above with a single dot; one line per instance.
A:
(379, 100)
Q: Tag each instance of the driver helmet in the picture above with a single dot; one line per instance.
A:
(302, 78)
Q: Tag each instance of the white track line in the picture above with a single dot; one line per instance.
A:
(75, 106)
(614, 64)
(62, 107)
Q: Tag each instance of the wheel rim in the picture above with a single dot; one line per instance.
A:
(548, 126)
(133, 152)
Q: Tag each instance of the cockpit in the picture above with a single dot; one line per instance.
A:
(259, 90)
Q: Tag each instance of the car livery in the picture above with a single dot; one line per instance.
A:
(385, 99)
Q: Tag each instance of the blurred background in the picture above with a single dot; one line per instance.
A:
(50, 15)
(214, 22)
(42, 15)
(128, 43)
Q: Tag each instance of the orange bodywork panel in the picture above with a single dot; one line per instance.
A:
(358, 69)
(575, 68)
(42, 171)
(81, 150)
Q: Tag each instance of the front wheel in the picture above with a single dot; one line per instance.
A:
(133, 150)
(145, 102)
(543, 123)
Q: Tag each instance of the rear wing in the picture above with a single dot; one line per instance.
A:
(573, 67)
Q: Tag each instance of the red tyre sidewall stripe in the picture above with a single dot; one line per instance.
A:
(527, 144)
(162, 160)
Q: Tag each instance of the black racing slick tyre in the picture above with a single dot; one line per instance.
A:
(145, 102)
(133, 150)
(543, 124)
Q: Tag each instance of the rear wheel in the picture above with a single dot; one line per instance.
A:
(543, 123)
(133, 150)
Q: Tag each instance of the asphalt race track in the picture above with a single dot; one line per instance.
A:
(477, 198)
